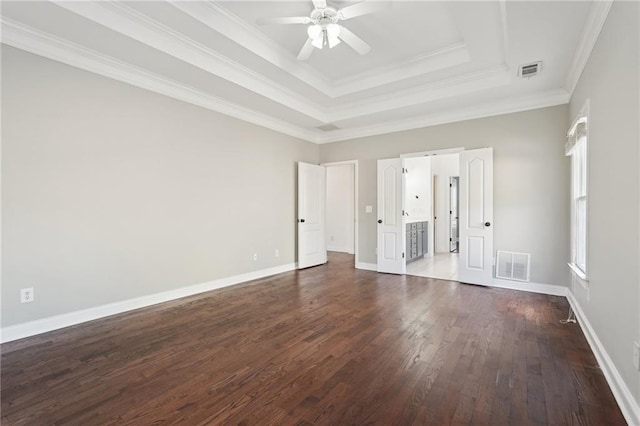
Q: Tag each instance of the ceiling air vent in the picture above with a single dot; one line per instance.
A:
(513, 266)
(327, 127)
(529, 70)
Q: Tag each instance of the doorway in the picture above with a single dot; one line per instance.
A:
(341, 207)
(398, 230)
(431, 179)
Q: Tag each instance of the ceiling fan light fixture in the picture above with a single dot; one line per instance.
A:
(333, 31)
(318, 42)
(314, 31)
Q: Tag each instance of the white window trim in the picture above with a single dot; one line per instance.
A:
(583, 117)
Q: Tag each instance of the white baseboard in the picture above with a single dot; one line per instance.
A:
(628, 405)
(367, 266)
(340, 249)
(550, 289)
(31, 328)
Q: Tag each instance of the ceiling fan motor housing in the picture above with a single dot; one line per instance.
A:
(325, 16)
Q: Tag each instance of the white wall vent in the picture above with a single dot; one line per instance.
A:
(529, 70)
(513, 266)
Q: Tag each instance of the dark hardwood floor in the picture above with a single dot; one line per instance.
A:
(328, 345)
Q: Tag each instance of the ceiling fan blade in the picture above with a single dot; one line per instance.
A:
(363, 8)
(306, 50)
(285, 20)
(354, 41)
(319, 4)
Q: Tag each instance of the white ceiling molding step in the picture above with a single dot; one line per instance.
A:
(219, 19)
(226, 23)
(468, 83)
(467, 62)
(595, 22)
(22, 37)
(519, 104)
(137, 26)
(456, 54)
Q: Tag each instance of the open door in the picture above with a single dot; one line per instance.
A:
(312, 248)
(476, 217)
(454, 215)
(391, 233)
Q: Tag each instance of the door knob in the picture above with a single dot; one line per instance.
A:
(379, 220)
(302, 220)
(487, 224)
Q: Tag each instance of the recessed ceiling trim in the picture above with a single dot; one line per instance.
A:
(507, 106)
(231, 26)
(456, 86)
(133, 24)
(42, 44)
(137, 26)
(39, 43)
(235, 29)
(595, 22)
(450, 56)
(502, 4)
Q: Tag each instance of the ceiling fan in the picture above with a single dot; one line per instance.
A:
(324, 30)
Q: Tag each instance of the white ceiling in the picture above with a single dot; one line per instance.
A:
(430, 62)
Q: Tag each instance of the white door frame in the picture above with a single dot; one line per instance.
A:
(356, 206)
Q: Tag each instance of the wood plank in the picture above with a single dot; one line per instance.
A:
(327, 345)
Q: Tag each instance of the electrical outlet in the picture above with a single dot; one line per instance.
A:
(255, 256)
(26, 295)
(636, 355)
(277, 253)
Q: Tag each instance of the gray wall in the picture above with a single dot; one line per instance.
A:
(111, 192)
(611, 82)
(531, 180)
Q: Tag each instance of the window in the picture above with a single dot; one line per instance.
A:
(577, 148)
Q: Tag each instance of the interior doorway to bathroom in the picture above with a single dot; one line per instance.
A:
(431, 206)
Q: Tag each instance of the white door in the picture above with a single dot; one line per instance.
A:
(312, 249)
(391, 235)
(476, 217)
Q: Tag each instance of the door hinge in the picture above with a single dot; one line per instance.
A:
(450, 239)
(405, 170)
(403, 255)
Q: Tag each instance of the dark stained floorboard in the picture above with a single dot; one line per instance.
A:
(329, 345)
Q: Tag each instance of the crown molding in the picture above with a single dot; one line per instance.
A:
(23, 37)
(133, 24)
(502, 4)
(34, 41)
(231, 26)
(507, 106)
(235, 29)
(450, 56)
(455, 86)
(128, 21)
(39, 43)
(595, 22)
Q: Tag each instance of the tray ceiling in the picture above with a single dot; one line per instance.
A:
(430, 62)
